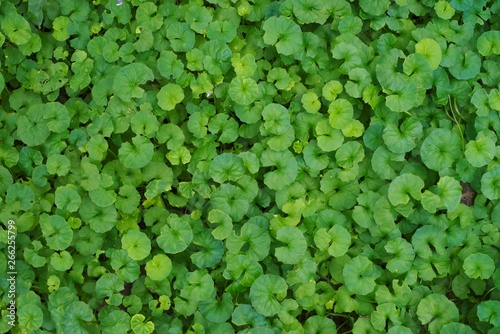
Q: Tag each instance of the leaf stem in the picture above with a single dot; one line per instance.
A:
(455, 120)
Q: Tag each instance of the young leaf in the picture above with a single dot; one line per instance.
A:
(139, 326)
(169, 96)
(243, 90)
(225, 228)
(431, 50)
(159, 267)
(137, 244)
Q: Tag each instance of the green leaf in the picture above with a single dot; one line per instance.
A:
(440, 149)
(489, 43)
(254, 241)
(20, 196)
(341, 113)
(436, 310)
(243, 90)
(284, 34)
(374, 8)
(159, 267)
(124, 266)
(231, 200)
(403, 185)
(481, 151)
(479, 265)
(210, 250)
(349, 154)
(320, 324)
(56, 231)
(16, 28)
(217, 311)
(329, 139)
(403, 255)
(169, 96)
(76, 315)
(276, 119)
(285, 172)
(176, 236)
(62, 261)
(139, 326)
(226, 167)
(169, 66)
(489, 311)
(360, 275)
(337, 240)
(181, 37)
(128, 79)
(114, 321)
(431, 50)
(30, 316)
(136, 154)
(295, 245)
(243, 271)
(309, 11)
(32, 128)
(313, 156)
(137, 244)
(225, 222)
(404, 138)
(490, 184)
(444, 10)
(266, 293)
(467, 67)
(456, 328)
(461, 5)
(144, 123)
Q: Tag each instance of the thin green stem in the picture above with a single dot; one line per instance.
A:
(454, 109)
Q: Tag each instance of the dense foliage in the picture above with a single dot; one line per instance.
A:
(251, 166)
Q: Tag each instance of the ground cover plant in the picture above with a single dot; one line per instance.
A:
(250, 166)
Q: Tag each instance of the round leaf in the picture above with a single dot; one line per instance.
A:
(479, 265)
(169, 96)
(243, 90)
(284, 34)
(159, 267)
(176, 236)
(440, 149)
(128, 79)
(136, 154)
(137, 244)
(295, 245)
(266, 293)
